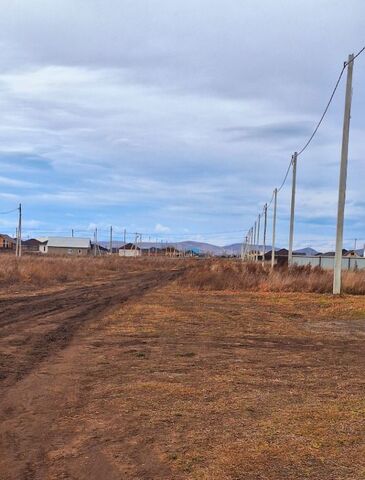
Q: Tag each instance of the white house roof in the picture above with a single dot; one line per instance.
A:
(68, 242)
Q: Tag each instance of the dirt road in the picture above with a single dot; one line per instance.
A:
(34, 328)
(138, 379)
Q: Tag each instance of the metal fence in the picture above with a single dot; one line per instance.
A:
(348, 263)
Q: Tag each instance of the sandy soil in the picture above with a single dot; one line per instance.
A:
(141, 379)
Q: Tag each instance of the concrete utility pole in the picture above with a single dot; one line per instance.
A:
(111, 240)
(258, 239)
(95, 240)
(247, 251)
(72, 232)
(254, 241)
(264, 236)
(343, 178)
(243, 248)
(292, 209)
(274, 228)
(251, 244)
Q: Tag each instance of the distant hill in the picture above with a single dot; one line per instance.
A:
(235, 248)
(208, 248)
(199, 247)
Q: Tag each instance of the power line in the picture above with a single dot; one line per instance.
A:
(152, 234)
(355, 56)
(286, 175)
(325, 110)
(10, 211)
(345, 65)
(306, 145)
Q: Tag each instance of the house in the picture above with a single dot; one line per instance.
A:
(281, 256)
(332, 254)
(352, 253)
(129, 250)
(32, 245)
(66, 246)
(171, 251)
(97, 249)
(6, 243)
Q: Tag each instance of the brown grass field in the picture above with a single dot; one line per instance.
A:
(199, 370)
(206, 274)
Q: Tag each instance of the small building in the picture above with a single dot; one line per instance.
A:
(352, 254)
(32, 245)
(281, 256)
(7, 243)
(98, 250)
(66, 246)
(129, 250)
(332, 254)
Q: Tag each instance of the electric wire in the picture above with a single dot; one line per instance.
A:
(324, 112)
(355, 56)
(306, 145)
(10, 211)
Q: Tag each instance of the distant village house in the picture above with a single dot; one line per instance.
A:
(6, 243)
(130, 250)
(66, 246)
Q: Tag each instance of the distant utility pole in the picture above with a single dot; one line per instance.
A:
(95, 241)
(274, 228)
(18, 245)
(264, 236)
(72, 232)
(292, 208)
(355, 243)
(251, 244)
(258, 239)
(111, 240)
(343, 178)
(254, 240)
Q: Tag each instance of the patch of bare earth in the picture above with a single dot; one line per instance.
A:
(181, 384)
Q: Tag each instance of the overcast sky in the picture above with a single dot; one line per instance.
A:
(177, 118)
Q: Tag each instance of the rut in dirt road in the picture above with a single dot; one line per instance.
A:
(34, 327)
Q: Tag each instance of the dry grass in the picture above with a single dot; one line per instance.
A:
(203, 385)
(46, 271)
(212, 274)
(235, 275)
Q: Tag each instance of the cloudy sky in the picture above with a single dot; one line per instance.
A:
(177, 118)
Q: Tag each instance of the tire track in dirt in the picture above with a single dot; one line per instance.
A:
(34, 327)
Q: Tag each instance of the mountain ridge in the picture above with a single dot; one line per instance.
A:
(207, 248)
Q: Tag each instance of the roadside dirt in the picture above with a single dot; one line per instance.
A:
(138, 379)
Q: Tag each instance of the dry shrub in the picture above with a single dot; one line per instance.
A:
(235, 275)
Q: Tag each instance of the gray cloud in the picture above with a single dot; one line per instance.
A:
(192, 107)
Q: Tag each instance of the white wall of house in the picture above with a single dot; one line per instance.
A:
(129, 253)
